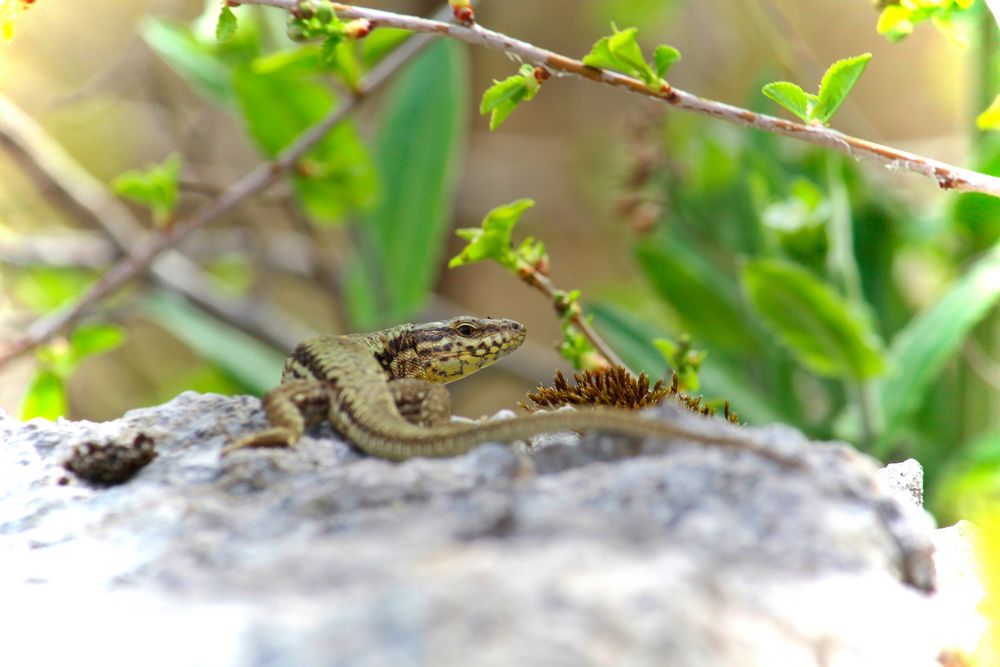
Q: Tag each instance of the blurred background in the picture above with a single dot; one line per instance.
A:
(652, 213)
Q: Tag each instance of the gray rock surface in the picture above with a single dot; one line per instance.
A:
(591, 552)
(906, 480)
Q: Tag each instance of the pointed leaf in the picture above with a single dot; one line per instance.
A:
(837, 82)
(502, 97)
(664, 57)
(91, 339)
(895, 22)
(925, 345)
(790, 96)
(226, 27)
(703, 298)
(278, 103)
(493, 238)
(155, 187)
(600, 55)
(45, 398)
(814, 322)
(624, 46)
(190, 59)
(418, 156)
(380, 43)
(621, 52)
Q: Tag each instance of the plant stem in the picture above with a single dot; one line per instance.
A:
(840, 260)
(541, 282)
(947, 176)
(843, 266)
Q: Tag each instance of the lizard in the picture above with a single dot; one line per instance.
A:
(384, 392)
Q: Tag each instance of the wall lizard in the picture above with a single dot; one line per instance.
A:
(384, 392)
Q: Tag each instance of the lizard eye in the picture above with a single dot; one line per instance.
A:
(466, 329)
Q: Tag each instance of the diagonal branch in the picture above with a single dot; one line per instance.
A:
(141, 256)
(71, 187)
(947, 176)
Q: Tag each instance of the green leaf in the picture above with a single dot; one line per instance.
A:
(921, 350)
(245, 359)
(792, 97)
(502, 97)
(192, 60)
(624, 46)
(621, 52)
(380, 43)
(600, 55)
(92, 339)
(278, 105)
(340, 56)
(418, 156)
(155, 188)
(492, 240)
(701, 296)
(837, 83)
(823, 332)
(663, 58)
(44, 289)
(45, 398)
(990, 118)
(226, 27)
(894, 22)
(897, 20)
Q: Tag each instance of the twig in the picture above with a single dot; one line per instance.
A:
(87, 200)
(81, 250)
(140, 257)
(535, 278)
(947, 176)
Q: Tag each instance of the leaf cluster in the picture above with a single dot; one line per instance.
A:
(899, 18)
(155, 187)
(621, 52)
(46, 395)
(818, 109)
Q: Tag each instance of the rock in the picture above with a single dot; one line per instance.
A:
(906, 480)
(960, 596)
(606, 551)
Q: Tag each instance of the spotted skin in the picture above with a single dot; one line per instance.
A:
(383, 392)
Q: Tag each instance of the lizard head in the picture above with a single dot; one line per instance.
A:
(450, 350)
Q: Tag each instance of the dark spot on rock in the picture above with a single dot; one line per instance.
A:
(110, 463)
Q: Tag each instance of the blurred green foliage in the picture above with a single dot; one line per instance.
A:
(777, 275)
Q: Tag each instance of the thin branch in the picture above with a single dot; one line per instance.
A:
(947, 176)
(81, 250)
(142, 255)
(538, 280)
(67, 184)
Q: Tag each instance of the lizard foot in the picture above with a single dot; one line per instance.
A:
(272, 437)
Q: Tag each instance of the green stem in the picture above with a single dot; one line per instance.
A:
(864, 395)
(843, 267)
(840, 259)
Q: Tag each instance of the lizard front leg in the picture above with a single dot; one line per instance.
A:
(421, 402)
(290, 408)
